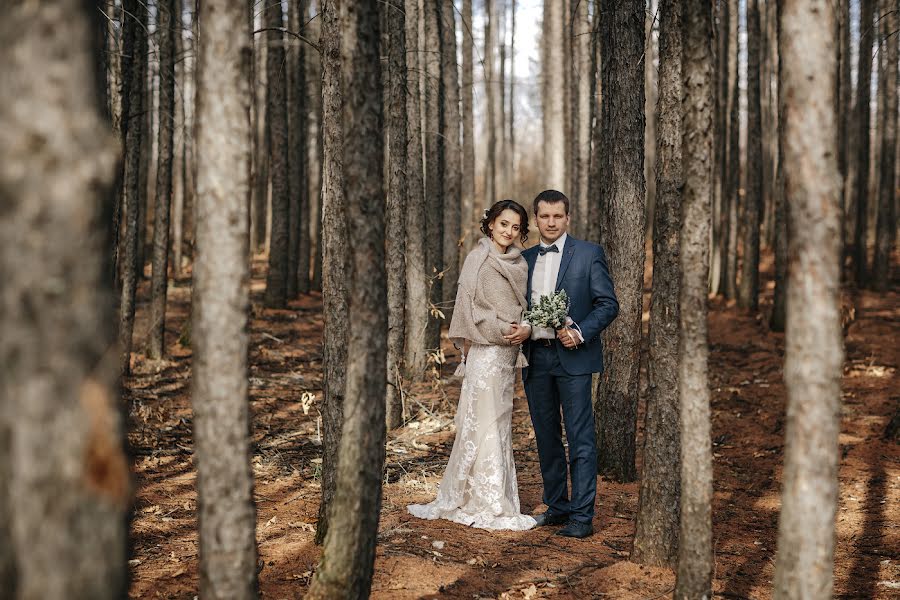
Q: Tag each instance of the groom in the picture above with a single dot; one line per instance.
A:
(559, 371)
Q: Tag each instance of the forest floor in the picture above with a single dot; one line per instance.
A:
(439, 559)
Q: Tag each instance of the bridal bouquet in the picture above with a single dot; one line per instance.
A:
(549, 314)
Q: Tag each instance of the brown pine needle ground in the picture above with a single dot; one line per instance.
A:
(437, 559)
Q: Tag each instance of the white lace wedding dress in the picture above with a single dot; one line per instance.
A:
(479, 487)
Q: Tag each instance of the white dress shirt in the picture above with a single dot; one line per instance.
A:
(546, 270)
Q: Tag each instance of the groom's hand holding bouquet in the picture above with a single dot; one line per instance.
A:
(550, 319)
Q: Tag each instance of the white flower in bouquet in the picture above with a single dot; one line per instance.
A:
(550, 311)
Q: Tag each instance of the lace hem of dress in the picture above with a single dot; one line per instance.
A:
(481, 521)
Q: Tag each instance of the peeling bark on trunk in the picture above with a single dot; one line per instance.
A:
(227, 516)
(695, 550)
(66, 490)
(159, 282)
(813, 345)
(622, 200)
(348, 560)
(656, 526)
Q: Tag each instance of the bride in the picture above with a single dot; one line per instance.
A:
(479, 486)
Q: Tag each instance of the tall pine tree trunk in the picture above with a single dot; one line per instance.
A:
(349, 555)
(553, 100)
(813, 346)
(720, 141)
(227, 516)
(594, 208)
(862, 151)
(434, 170)
(622, 200)
(397, 192)
(318, 109)
(276, 112)
(159, 282)
(511, 158)
(133, 167)
(471, 207)
(65, 492)
(260, 200)
(301, 88)
(146, 161)
(180, 132)
(417, 277)
(748, 292)
(656, 527)
(651, 97)
(845, 134)
(732, 208)
(297, 137)
(779, 302)
(335, 259)
(582, 153)
(490, 91)
(886, 224)
(695, 549)
(452, 157)
(500, 100)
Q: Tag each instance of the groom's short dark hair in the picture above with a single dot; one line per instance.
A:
(551, 197)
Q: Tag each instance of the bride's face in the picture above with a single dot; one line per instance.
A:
(505, 229)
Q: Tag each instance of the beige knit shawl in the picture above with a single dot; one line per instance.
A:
(491, 296)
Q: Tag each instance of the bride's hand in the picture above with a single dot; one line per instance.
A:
(518, 334)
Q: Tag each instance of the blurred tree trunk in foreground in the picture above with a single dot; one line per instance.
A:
(65, 493)
(695, 548)
(813, 344)
(227, 515)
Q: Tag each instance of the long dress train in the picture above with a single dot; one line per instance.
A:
(479, 486)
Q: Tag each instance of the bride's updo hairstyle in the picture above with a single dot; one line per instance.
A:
(494, 212)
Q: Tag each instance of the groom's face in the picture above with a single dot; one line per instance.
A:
(552, 220)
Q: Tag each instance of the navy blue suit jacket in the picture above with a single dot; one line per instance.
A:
(584, 274)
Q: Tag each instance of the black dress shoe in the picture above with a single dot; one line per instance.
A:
(576, 529)
(548, 519)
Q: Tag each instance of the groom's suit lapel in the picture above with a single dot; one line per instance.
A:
(567, 254)
(530, 258)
